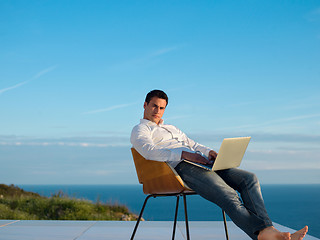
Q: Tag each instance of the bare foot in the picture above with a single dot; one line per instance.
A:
(299, 235)
(270, 233)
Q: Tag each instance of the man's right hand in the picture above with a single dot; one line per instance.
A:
(194, 157)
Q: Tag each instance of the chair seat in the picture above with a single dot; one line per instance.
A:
(157, 177)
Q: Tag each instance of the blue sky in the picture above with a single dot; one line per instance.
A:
(74, 75)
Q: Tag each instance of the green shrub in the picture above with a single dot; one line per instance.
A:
(17, 204)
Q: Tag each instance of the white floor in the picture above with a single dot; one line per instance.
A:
(114, 230)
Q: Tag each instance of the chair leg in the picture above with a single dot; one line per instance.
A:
(175, 218)
(186, 215)
(225, 225)
(140, 216)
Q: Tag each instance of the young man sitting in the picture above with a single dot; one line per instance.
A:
(155, 140)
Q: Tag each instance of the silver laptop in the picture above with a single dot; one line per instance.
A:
(230, 154)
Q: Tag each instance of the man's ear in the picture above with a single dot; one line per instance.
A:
(145, 104)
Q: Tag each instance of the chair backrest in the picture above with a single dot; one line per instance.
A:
(157, 177)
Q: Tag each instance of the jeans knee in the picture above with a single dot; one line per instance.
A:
(252, 178)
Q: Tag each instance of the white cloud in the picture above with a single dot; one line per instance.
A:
(282, 159)
(36, 76)
(43, 72)
(258, 137)
(67, 144)
(176, 117)
(83, 142)
(12, 87)
(284, 165)
(143, 59)
(274, 122)
(110, 108)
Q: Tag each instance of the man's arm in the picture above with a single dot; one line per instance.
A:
(143, 143)
(195, 157)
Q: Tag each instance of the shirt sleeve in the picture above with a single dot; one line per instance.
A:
(141, 140)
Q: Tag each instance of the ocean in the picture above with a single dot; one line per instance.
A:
(293, 206)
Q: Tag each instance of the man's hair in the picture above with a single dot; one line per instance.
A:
(158, 94)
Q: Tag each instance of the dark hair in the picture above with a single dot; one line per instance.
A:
(158, 94)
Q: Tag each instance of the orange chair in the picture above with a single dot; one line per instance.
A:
(160, 180)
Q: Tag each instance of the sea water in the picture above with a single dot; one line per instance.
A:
(293, 206)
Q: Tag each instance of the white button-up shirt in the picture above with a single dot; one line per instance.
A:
(163, 142)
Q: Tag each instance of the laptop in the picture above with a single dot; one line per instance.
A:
(230, 154)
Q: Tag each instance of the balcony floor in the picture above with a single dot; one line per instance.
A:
(114, 230)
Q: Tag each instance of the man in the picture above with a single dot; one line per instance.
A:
(161, 142)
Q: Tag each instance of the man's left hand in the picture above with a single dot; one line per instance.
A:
(212, 155)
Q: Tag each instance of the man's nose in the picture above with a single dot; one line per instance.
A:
(157, 109)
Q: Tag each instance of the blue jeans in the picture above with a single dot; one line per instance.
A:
(221, 187)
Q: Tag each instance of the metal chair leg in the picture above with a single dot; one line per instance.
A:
(225, 225)
(140, 216)
(175, 218)
(186, 215)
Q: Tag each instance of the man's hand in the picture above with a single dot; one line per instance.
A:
(212, 155)
(194, 157)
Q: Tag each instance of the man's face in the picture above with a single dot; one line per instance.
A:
(155, 109)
